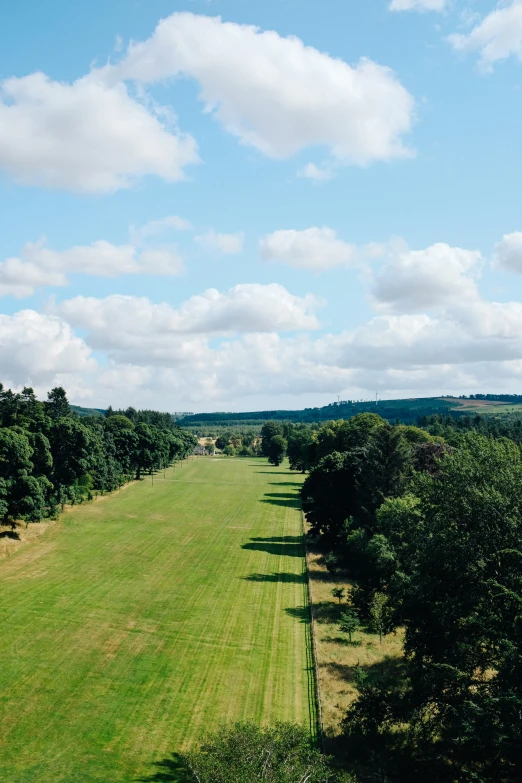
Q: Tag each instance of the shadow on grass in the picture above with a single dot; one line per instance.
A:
(282, 499)
(285, 484)
(301, 613)
(327, 611)
(171, 769)
(276, 472)
(290, 546)
(343, 640)
(281, 577)
(279, 539)
(321, 576)
(10, 534)
(391, 671)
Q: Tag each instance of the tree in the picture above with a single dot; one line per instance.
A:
(57, 404)
(380, 614)
(268, 431)
(245, 753)
(277, 450)
(349, 622)
(338, 592)
(221, 442)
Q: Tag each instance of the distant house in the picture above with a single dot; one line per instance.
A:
(200, 451)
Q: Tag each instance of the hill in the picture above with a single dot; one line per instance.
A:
(406, 410)
(82, 412)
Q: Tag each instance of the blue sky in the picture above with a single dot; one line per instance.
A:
(260, 205)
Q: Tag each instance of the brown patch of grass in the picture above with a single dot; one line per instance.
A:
(12, 539)
(336, 657)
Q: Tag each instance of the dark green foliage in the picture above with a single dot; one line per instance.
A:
(349, 622)
(276, 450)
(454, 579)
(245, 753)
(57, 405)
(338, 592)
(49, 456)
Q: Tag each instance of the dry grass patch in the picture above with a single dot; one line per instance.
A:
(337, 658)
(12, 539)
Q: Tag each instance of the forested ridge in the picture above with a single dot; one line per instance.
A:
(50, 457)
(427, 524)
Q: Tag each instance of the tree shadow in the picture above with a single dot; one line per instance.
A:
(10, 534)
(276, 472)
(274, 548)
(327, 612)
(301, 613)
(320, 576)
(391, 671)
(284, 484)
(172, 769)
(343, 640)
(276, 577)
(290, 500)
(279, 539)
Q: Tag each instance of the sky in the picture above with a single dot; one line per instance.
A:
(238, 205)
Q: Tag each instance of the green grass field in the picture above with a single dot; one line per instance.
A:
(143, 619)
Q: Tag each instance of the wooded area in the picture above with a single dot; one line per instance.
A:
(426, 522)
(50, 457)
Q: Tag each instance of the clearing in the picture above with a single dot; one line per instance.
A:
(142, 620)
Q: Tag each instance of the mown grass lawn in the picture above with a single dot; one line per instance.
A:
(142, 620)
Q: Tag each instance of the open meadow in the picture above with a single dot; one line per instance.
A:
(144, 619)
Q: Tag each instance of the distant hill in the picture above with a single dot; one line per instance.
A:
(87, 411)
(406, 410)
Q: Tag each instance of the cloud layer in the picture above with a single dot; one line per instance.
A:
(40, 266)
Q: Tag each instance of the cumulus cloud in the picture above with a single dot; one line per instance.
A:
(41, 266)
(87, 137)
(418, 5)
(508, 253)
(136, 328)
(496, 37)
(312, 248)
(275, 93)
(414, 280)
(36, 349)
(226, 244)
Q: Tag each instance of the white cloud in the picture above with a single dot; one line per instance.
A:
(161, 226)
(496, 37)
(508, 253)
(274, 93)
(414, 280)
(41, 266)
(418, 5)
(86, 137)
(226, 244)
(36, 349)
(135, 329)
(313, 248)
(317, 173)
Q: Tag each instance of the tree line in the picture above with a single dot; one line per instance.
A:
(427, 522)
(49, 456)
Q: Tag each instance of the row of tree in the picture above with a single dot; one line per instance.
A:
(49, 456)
(431, 533)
